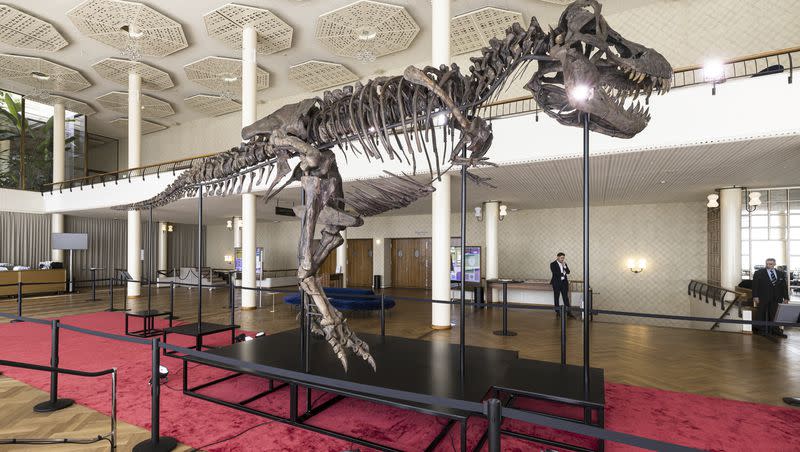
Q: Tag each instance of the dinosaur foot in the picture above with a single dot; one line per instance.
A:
(340, 337)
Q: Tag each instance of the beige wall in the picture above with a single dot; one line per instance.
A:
(672, 237)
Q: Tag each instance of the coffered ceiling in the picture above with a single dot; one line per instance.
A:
(78, 35)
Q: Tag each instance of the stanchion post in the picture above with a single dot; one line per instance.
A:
(495, 416)
(19, 302)
(156, 442)
(232, 299)
(383, 315)
(172, 300)
(94, 284)
(563, 317)
(54, 404)
(111, 293)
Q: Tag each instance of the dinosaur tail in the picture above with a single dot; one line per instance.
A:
(177, 189)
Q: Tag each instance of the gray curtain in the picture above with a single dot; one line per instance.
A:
(182, 246)
(107, 246)
(24, 238)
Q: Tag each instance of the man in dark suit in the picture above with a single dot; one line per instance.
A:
(769, 289)
(560, 282)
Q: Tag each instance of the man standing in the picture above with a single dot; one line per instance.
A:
(560, 282)
(769, 289)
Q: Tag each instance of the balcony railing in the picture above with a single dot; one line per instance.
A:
(747, 66)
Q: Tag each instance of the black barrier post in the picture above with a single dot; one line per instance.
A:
(462, 327)
(94, 284)
(563, 317)
(200, 260)
(54, 404)
(504, 331)
(19, 303)
(377, 284)
(232, 299)
(495, 416)
(172, 300)
(156, 442)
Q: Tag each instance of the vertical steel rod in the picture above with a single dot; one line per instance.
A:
(19, 299)
(462, 317)
(303, 319)
(114, 409)
(383, 315)
(200, 260)
(172, 300)
(587, 300)
(494, 413)
(563, 311)
(149, 261)
(155, 386)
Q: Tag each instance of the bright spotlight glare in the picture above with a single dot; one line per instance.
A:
(580, 93)
(713, 71)
(440, 119)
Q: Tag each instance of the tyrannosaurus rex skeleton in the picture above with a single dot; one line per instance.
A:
(394, 118)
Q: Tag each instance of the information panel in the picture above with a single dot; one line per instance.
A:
(472, 266)
(69, 241)
(237, 259)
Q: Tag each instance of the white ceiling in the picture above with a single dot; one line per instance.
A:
(720, 28)
(685, 174)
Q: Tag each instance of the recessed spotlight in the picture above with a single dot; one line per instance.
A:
(367, 34)
(230, 78)
(714, 71)
(40, 75)
(133, 31)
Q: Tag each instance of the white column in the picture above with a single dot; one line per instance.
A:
(440, 253)
(59, 158)
(730, 236)
(491, 210)
(134, 160)
(248, 199)
(162, 246)
(341, 258)
(440, 210)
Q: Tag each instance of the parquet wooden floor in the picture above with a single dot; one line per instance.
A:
(727, 365)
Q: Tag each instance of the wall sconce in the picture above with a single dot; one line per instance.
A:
(166, 227)
(169, 228)
(753, 200)
(637, 266)
(377, 241)
(479, 214)
(503, 212)
(228, 258)
(229, 225)
(713, 200)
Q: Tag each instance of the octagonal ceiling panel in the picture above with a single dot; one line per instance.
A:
(227, 22)
(147, 126)
(41, 74)
(316, 75)
(472, 31)
(19, 29)
(366, 30)
(151, 107)
(223, 74)
(122, 24)
(70, 104)
(212, 105)
(116, 70)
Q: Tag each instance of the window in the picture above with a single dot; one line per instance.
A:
(772, 230)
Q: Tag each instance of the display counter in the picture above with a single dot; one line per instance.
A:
(531, 291)
(55, 280)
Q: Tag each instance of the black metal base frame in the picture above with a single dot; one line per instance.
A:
(508, 375)
(49, 406)
(298, 419)
(164, 444)
(148, 322)
(198, 331)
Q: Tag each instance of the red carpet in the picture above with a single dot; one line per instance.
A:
(686, 419)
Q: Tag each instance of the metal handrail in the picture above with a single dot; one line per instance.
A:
(744, 66)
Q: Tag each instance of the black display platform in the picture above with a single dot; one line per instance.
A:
(425, 367)
(148, 322)
(198, 331)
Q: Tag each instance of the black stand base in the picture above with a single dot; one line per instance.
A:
(48, 406)
(793, 401)
(115, 310)
(504, 333)
(17, 321)
(164, 444)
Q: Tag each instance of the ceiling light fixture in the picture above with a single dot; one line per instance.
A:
(753, 200)
(441, 119)
(479, 214)
(503, 212)
(40, 75)
(367, 34)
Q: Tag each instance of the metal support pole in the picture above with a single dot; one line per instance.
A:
(172, 300)
(383, 315)
(111, 293)
(94, 284)
(462, 355)
(495, 415)
(54, 404)
(232, 299)
(156, 442)
(563, 317)
(114, 409)
(19, 302)
(149, 267)
(200, 260)
(587, 299)
(303, 307)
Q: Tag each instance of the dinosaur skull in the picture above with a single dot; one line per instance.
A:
(597, 71)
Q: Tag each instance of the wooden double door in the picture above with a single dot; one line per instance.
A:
(359, 262)
(411, 263)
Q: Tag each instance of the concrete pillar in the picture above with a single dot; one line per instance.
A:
(341, 259)
(248, 199)
(440, 210)
(162, 246)
(730, 236)
(59, 159)
(134, 160)
(491, 218)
